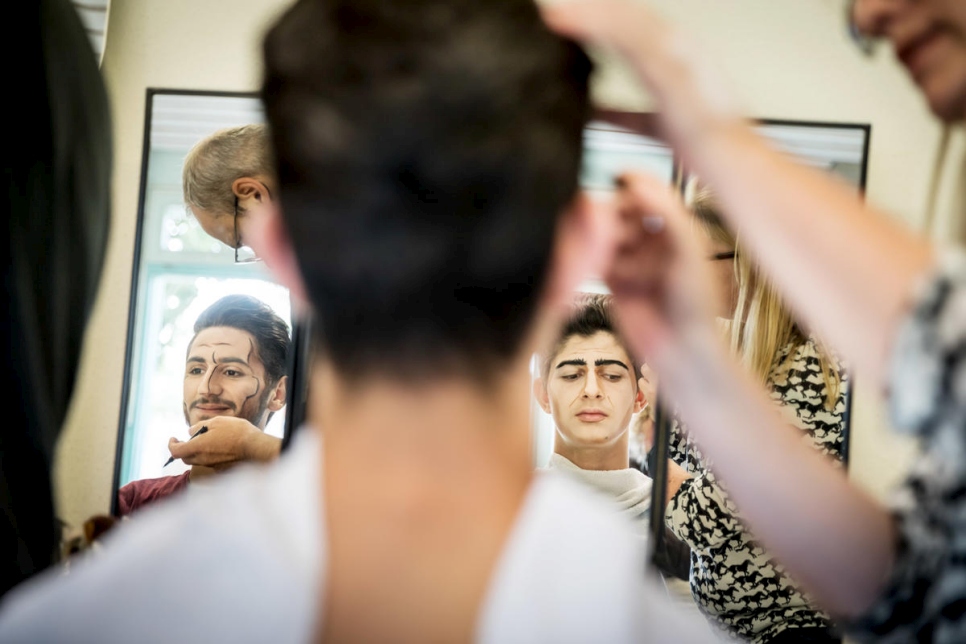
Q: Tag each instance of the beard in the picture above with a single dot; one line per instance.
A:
(255, 414)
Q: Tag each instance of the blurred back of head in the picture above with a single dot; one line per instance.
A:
(425, 151)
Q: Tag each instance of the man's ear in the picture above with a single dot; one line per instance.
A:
(639, 400)
(275, 248)
(540, 394)
(583, 246)
(248, 188)
(277, 400)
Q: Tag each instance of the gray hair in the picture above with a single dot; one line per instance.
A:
(215, 162)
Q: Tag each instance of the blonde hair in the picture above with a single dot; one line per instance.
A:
(761, 325)
(214, 163)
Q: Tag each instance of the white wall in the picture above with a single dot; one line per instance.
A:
(788, 59)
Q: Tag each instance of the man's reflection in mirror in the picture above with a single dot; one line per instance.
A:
(588, 384)
(234, 380)
(228, 183)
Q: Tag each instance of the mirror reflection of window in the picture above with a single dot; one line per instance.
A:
(180, 271)
(839, 149)
(610, 150)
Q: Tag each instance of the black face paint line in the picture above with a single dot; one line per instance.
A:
(246, 362)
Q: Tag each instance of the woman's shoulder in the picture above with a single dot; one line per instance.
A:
(811, 349)
(802, 357)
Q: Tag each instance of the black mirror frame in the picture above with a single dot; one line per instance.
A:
(298, 359)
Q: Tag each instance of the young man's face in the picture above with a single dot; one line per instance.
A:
(591, 392)
(223, 376)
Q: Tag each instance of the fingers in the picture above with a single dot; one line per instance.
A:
(647, 238)
(193, 451)
(194, 429)
(578, 20)
(653, 204)
(612, 23)
(176, 448)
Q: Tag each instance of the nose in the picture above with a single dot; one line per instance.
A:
(871, 18)
(591, 386)
(209, 383)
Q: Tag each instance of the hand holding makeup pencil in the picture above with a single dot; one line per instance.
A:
(227, 442)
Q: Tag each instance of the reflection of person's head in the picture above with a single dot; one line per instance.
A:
(762, 326)
(589, 385)
(232, 166)
(421, 178)
(929, 38)
(722, 250)
(235, 365)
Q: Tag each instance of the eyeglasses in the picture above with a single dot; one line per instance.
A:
(243, 254)
(866, 44)
(728, 254)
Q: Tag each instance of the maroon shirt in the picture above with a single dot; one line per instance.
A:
(136, 494)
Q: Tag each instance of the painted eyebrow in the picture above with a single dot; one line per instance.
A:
(233, 360)
(220, 360)
(618, 363)
(580, 362)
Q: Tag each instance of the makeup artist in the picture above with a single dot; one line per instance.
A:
(888, 300)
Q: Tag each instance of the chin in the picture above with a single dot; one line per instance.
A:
(948, 111)
(946, 95)
(594, 440)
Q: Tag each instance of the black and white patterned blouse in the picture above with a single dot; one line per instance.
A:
(734, 582)
(925, 599)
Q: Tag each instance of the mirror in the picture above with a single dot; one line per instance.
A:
(620, 141)
(179, 270)
(613, 143)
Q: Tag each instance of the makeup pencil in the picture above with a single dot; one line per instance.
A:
(204, 428)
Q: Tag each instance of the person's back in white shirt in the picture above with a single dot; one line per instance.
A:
(245, 561)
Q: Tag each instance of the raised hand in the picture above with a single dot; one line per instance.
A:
(663, 291)
(692, 94)
(228, 441)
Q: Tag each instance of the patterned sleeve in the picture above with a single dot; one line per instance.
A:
(924, 596)
(677, 444)
(701, 514)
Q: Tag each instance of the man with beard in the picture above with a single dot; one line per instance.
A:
(234, 381)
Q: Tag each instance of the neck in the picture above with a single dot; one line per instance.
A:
(437, 435)
(611, 457)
